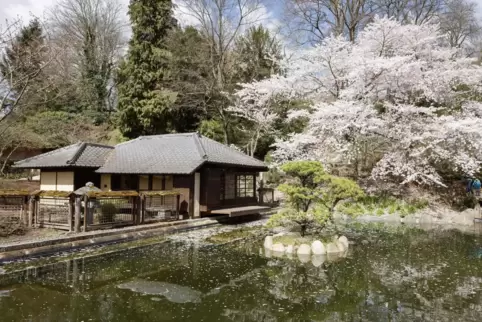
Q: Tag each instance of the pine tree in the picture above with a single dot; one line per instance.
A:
(144, 102)
(258, 53)
(22, 57)
(21, 68)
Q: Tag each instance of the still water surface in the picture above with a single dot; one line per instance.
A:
(400, 275)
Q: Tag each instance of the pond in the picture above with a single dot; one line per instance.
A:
(396, 274)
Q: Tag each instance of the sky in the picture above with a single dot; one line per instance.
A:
(26, 9)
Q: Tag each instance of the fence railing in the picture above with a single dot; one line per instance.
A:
(160, 206)
(13, 207)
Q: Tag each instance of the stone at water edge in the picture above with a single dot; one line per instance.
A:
(332, 248)
(340, 246)
(344, 241)
(318, 260)
(289, 249)
(304, 249)
(268, 253)
(304, 258)
(318, 248)
(268, 242)
(278, 248)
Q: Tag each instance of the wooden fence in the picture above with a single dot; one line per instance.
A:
(91, 211)
(14, 207)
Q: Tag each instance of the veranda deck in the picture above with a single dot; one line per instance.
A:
(241, 211)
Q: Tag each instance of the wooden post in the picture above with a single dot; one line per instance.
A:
(31, 211)
(86, 211)
(178, 206)
(197, 191)
(143, 208)
(133, 211)
(78, 207)
(71, 213)
(37, 210)
(25, 211)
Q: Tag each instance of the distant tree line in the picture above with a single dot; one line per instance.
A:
(74, 76)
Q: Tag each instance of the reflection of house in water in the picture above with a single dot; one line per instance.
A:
(173, 268)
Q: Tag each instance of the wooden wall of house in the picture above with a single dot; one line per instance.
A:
(67, 179)
(185, 184)
(84, 175)
(210, 188)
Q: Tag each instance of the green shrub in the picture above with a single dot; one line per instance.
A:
(392, 209)
(411, 209)
(380, 212)
(107, 212)
(12, 226)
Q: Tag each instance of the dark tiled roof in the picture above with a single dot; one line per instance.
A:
(220, 153)
(75, 155)
(172, 154)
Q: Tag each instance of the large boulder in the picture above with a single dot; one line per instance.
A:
(268, 253)
(318, 260)
(340, 246)
(289, 249)
(318, 248)
(304, 258)
(268, 242)
(304, 249)
(344, 241)
(278, 248)
(332, 248)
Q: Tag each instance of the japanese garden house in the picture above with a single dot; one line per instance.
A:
(212, 178)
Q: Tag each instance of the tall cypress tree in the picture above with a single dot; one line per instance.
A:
(144, 103)
(21, 65)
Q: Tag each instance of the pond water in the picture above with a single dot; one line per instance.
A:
(394, 275)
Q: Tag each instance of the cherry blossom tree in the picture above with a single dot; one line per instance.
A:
(400, 98)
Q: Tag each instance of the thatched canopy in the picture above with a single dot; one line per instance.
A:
(85, 190)
(52, 193)
(160, 193)
(13, 193)
(112, 194)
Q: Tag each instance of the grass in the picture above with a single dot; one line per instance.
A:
(229, 236)
(380, 205)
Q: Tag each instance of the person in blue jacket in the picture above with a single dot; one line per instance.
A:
(473, 186)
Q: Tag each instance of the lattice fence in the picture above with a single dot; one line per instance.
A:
(54, 212)
(111, 211)
(160, 205)
(12, 208)
(160, 208)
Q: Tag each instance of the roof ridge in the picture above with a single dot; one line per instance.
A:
(49, 152)
(127, 142)
(200, 147)
(77, 154)
(167, 134)
(99, 145)
(234, 150)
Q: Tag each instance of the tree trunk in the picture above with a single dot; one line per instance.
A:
(7, 159)
(303, 230)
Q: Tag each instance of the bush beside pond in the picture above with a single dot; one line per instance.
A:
(377, 205)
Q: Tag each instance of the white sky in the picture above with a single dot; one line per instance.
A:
(26, 9)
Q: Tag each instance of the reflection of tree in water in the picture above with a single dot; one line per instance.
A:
(403, 276)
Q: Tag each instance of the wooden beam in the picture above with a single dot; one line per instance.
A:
(197, 192)
(86, 211)
(70, 212)
(78, 207)
(31, 211)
